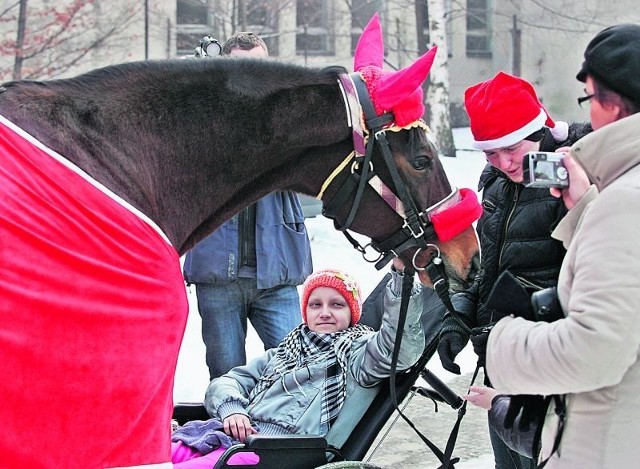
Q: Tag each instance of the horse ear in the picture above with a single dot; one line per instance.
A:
(395, 87)
(370, 49)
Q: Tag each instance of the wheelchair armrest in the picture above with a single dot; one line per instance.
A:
(285, 442)
(184, 412)
(283, 452)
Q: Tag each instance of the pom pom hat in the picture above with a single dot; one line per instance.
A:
(505, 110)
(340, 281)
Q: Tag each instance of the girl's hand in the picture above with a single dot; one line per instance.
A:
(238, 426)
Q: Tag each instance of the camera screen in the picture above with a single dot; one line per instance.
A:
(545, 170)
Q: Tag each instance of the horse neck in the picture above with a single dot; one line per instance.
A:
(293, 144)
(188, 161)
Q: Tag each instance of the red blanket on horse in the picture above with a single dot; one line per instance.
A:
(93, 310)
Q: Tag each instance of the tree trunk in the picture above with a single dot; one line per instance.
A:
(22, 25)
(438, 91)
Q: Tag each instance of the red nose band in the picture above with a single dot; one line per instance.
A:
(450, 222)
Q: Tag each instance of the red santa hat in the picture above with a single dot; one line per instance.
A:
(505, 110)
(345, 284)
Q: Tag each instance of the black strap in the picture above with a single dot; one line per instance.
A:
(451, 442)
(450, 397)
(364, 177)
(407, 284)
(561, 411)
(440, 280)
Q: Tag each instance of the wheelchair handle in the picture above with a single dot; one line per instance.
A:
(448, 395)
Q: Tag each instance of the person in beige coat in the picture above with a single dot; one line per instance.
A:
(592, 354)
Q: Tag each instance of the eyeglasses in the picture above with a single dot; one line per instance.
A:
(586, 98)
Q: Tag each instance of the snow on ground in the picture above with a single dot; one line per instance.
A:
(330, 249)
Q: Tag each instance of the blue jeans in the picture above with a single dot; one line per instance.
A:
(505, 457)
(225, 308)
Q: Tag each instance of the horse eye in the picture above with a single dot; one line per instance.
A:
(421, 163)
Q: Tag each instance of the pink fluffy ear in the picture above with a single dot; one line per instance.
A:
(370, 49)
(395, 87)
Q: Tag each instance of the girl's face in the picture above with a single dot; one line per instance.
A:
(327, 311)
(509, 159)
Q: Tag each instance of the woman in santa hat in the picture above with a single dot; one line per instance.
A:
(508, 120)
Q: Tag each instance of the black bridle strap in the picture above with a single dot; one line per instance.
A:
(415, 229)
(455, 401)
(407, 284)
(342, 196)
(365, 167)
(372, 120)
(364, 163)
(391, 247)
(440, 280)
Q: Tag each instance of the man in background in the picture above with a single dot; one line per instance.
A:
(249, 268)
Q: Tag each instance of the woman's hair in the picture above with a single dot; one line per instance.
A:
(606, 95)
(536, 136)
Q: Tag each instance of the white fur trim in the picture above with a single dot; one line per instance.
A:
(560, 132)
(513, 137)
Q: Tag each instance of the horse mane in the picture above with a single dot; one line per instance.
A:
(245, 77)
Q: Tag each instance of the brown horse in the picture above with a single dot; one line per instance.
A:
(106, 178)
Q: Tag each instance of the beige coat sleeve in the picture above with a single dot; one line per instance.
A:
(599, 287)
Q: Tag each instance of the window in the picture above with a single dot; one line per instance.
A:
(196, 19)
(312, 20)
(261, 17)
(192, 25)
(478, 31)
(361, 13)
(192, 12)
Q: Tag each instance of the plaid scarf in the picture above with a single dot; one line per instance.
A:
(302, 347)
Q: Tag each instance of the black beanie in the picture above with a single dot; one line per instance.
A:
(613, 58)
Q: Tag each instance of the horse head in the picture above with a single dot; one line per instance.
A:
(396, 177)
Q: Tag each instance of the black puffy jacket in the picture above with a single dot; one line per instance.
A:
(515, 235)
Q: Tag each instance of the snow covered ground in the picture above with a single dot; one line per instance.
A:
(329, 249)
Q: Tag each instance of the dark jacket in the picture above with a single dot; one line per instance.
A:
(515, 235)
(282, 248)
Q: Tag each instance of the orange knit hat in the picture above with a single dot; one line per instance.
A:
(345, 284)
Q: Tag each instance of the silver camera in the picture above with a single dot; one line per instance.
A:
(544, 169)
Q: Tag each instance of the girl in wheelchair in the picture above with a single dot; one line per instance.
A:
(300, 386)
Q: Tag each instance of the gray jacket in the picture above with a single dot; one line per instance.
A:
(296, 406)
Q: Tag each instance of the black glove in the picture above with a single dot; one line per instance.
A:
(479, 338)
(527, 409)
(450, 345)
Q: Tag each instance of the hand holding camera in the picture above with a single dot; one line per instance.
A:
(579, 181)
